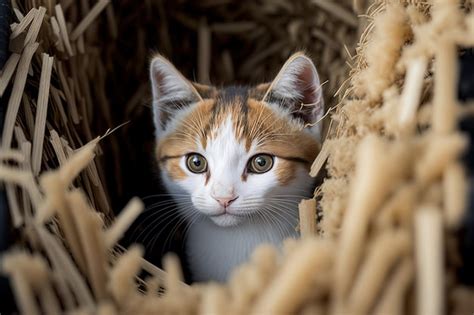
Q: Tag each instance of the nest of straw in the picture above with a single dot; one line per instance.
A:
(391, 205)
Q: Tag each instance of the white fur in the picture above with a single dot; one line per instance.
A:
(216, 244)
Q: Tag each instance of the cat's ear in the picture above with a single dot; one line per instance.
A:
(297, 89)
(171, 92)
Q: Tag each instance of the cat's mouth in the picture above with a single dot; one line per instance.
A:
(226, 219)
(232, 212)
(226, 216)
(230, 216)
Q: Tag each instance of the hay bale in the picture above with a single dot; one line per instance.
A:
(390, 210)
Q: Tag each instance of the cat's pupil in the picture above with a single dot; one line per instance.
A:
(196, 163)
(261, 161)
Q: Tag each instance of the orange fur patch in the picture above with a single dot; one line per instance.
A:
(182, 140)
(175, 171)
(285, 171)
(277, 136)
(253, 121)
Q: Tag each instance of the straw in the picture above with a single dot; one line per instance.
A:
(123, 221)
(390, 206)
(411, 94)
(7, 72)
(444, 106)
(15, 98)
(63, 28)
(307, 215)
(204, 52)
(320, 160)
(41, 111)
(35, 26)
(429, 261)
(24, 23)
(89, 18)
(455, 190)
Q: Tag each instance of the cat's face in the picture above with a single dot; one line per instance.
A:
(237, 152)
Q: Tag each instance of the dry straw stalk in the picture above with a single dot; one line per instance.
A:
(393, 196)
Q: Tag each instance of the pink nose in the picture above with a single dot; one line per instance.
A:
(225, 201)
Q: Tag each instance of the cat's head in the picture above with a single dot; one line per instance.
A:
(238, 152)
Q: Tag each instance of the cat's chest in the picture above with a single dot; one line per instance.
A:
(214, 251)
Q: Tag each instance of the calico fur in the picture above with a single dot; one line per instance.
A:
(228, 127)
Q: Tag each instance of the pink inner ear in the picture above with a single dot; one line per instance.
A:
(297, 89)
(310, 90)
(171, 91)
(308, 86)
(159, 77)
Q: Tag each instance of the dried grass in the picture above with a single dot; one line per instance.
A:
(393, 200)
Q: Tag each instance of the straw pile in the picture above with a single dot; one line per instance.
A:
(391, 205)
(57, 98)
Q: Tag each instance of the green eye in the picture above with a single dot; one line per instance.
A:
(196, 163)
(260, 163)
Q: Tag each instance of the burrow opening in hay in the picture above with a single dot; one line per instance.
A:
(100, 81)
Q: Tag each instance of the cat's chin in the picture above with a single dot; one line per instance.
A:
(226, 220)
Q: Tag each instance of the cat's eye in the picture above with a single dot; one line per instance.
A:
(196, 163)
(260, 163)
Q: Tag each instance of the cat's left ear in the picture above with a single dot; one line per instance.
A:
(171, 92)
(297, 89)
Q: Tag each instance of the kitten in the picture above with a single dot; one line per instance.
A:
(236, 159)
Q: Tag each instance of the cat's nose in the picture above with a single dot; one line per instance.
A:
(225, 201)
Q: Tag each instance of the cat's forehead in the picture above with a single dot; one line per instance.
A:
(254, 124)
(251, 118)
(239, 104)
(232, 93)
(229, 102)
(235, 101)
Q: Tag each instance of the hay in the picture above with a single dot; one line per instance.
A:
(394, 199)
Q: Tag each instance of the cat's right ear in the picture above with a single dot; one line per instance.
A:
(171, 92)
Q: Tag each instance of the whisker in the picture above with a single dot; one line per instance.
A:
(162, 217)
(186, 221)
(165, 212)
(279, 228)
(154, 237)
(180, 218)
(277, 212)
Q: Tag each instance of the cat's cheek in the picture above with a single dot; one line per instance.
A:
(174, 170)
(259, 185)
(285, 171)
(194, 185)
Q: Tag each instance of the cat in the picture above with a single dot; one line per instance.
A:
(236, 159)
